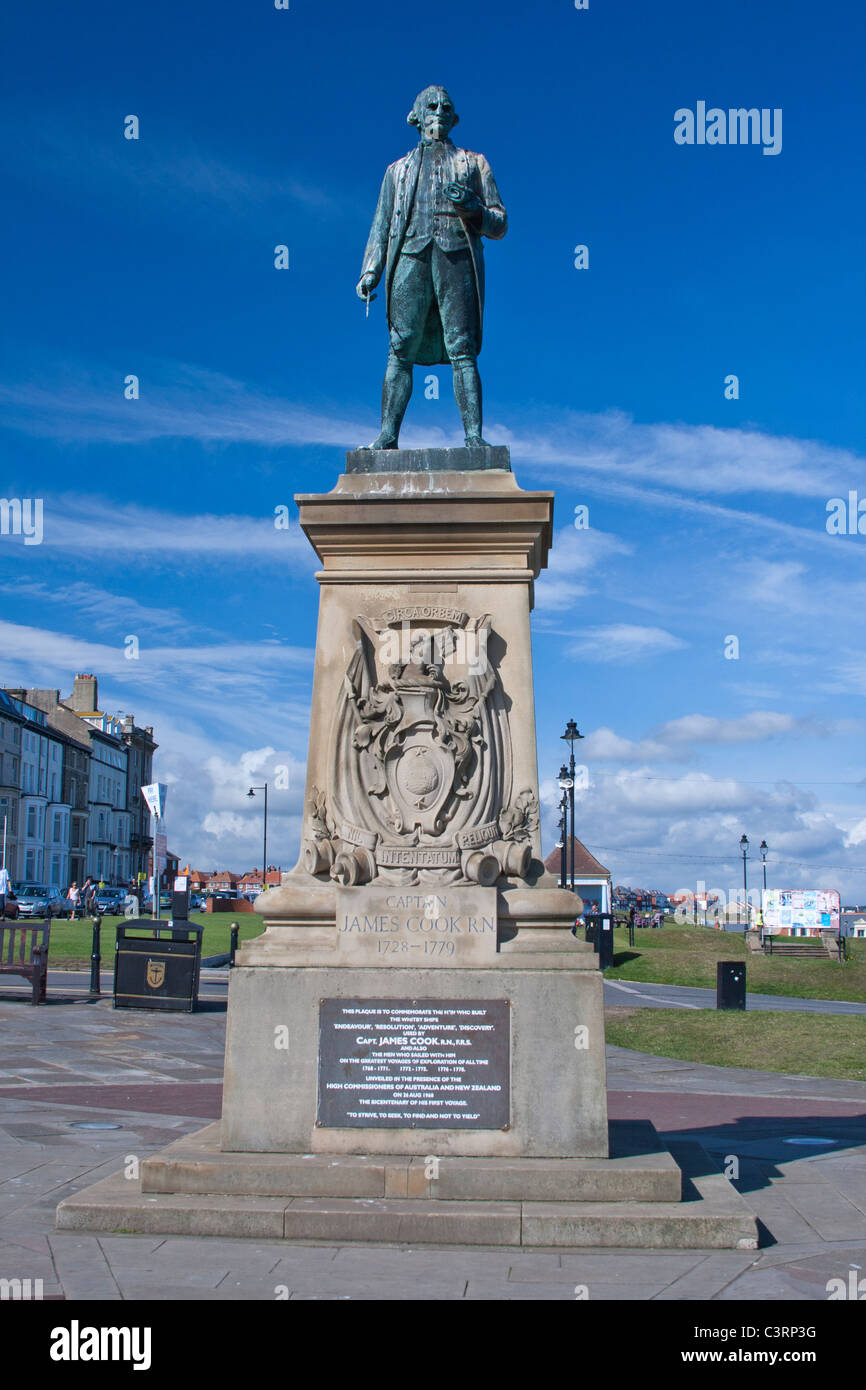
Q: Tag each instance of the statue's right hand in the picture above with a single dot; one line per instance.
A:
(366, 285)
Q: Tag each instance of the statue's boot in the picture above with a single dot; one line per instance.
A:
(467, 390)
(396, 391)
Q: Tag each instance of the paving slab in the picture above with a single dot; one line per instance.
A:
(745, 1113)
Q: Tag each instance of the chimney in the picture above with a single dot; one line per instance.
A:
(85, 695)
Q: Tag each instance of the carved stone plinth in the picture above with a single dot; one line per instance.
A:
(415, 1045)
(421, 875)
(422, 761)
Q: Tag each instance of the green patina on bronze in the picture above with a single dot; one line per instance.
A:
(436, 204)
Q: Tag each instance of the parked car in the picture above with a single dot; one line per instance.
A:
(196, 902)
(147, 901)
(110, 901)
(40, 900)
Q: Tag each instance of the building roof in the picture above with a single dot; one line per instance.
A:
(9, 710)
(585, 864)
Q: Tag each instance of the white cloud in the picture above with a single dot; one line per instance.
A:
(89, 525)
(574, 558)
(747, 728)
(603, 745)
(623, 642)
(697, 458)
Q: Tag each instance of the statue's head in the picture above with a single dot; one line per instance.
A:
(433, 113)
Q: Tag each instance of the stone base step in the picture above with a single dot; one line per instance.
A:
(639, 1171)
(712, 1216)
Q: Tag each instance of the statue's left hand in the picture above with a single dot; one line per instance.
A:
(467, 203)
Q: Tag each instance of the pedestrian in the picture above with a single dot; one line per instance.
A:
(91, 906)
(86, 897)
(5, 885)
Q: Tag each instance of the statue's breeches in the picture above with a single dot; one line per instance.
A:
(434, 279)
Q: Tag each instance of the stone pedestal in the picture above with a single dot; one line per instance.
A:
(408, 555)
(415, 1046)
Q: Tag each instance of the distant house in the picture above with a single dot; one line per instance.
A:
(222, 882)
(592, 879)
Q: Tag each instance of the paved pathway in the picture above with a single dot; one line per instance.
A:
(800, 1144)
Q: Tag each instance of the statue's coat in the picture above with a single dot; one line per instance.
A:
(393, 215)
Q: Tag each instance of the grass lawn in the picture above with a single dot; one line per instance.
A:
(687, 955)
(72, 942)
(800, 1044)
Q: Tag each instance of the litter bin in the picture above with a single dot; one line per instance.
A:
(730, 984)
(157, 965)
(599, 931)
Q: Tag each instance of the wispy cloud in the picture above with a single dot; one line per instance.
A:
(103, 609)
(179, 171)
(184, 401)
(574, 558)
(85, 524)
(695, 458)
(208, 678)
(623, 642)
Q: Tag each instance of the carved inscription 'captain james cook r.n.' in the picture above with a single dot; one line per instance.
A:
(457, 927)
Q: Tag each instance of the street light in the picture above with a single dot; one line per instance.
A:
(744, 848)
(571, 735)
(765, 849)
(252, 791)
(563, 824)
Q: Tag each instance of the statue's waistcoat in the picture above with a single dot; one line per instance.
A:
(432, 216)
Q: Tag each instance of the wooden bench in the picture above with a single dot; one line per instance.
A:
(15, 959)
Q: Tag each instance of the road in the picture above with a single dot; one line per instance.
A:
(639, 994)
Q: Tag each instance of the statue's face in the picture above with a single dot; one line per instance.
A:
(437, 114)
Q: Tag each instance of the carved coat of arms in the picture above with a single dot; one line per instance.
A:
(420, 777)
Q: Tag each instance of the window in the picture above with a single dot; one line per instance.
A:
(57, 829)
(31, 828)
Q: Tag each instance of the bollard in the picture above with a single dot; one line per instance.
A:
(234, 942)
(95, 958)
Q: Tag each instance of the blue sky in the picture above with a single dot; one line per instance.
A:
(707, 515)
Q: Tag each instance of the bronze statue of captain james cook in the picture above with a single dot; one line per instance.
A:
(435, 206)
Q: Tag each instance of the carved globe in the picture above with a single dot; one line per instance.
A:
(421, 775)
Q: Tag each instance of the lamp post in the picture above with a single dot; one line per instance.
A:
(252, 791)
(563, 825)
(744, 848)
(571, 736)
(765, 849)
